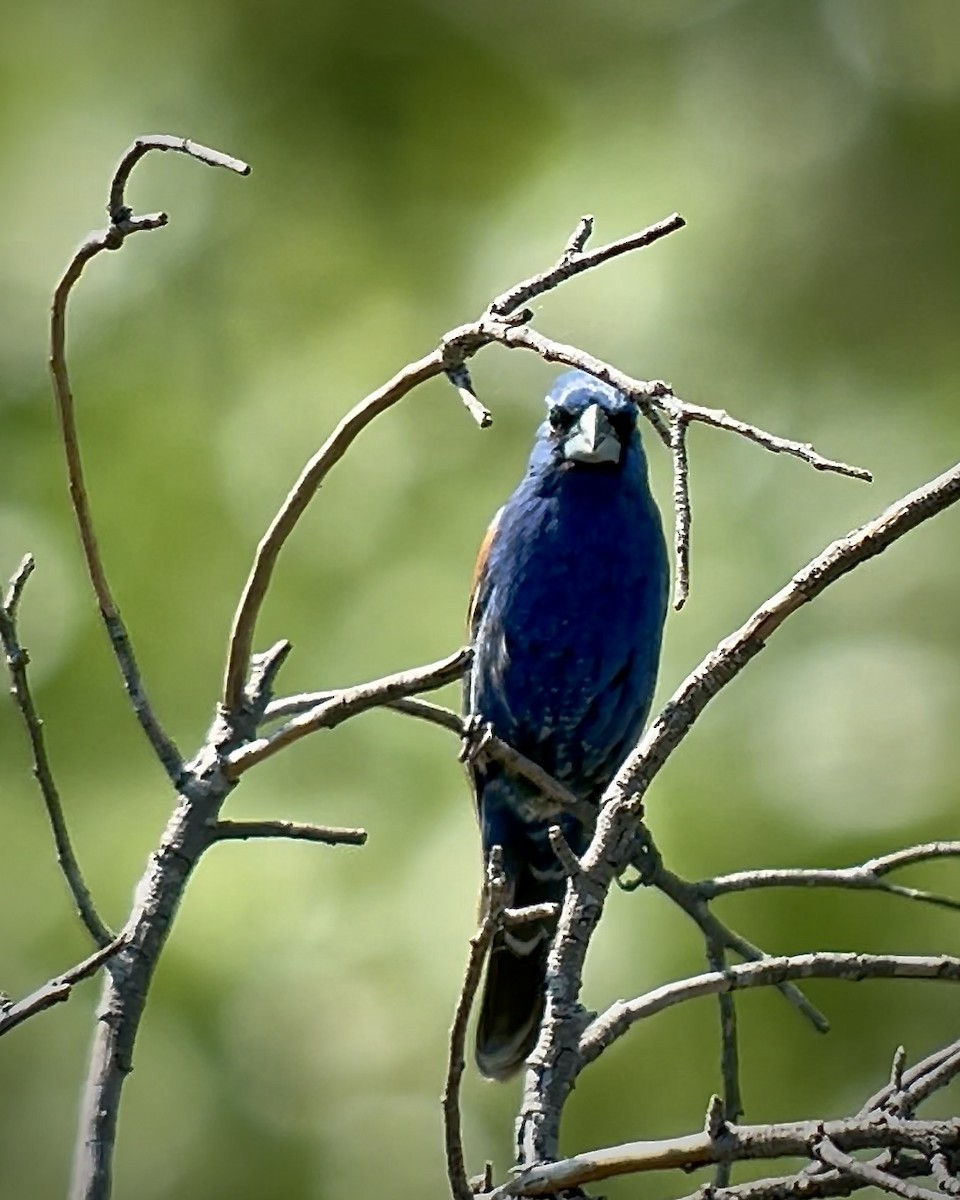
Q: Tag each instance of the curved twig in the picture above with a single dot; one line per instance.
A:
(123, 223)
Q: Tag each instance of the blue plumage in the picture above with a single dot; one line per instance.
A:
(569, 602)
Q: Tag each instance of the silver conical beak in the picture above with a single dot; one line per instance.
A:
(593, 439)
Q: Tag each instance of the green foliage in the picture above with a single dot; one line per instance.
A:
(410, 160)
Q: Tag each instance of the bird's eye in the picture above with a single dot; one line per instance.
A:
(561, 418)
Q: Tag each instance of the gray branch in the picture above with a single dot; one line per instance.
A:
(17, 660)
(604, 1030)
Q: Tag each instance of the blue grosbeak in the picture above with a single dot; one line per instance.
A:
(569, 600)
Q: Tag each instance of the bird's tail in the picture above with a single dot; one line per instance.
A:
(513, 992)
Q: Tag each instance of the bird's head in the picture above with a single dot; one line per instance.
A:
(588, 422)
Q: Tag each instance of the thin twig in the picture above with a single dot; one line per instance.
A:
(459, 376)
(868, 876)
(59, 989)
(117, 205)
(906, 1099)
(576, 243)
(225, 831)
(347, 703)
(494, 899)
(731, 1108)
(17, 660)
(719, 419)
(424, 710)
(606, 1028)
(573, 262)
(681, 508)
(890, 1097)
(11, 601)
(122, 225)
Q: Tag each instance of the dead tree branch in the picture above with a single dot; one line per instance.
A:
(17, 660)
(122, 224)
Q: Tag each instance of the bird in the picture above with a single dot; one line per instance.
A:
(566, 618)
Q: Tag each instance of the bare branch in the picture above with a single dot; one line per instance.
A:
(122, 225)
(730, 1108)
(673, 405)
(577, 241)
(226, 831)
(655, 397)
(681, 508)
(573, 261)
(17, 660)
(459, 376)
(564, 852)
(117, 205)
(345, 704)
(738, 1143)
(424, 710)
(891, 1099)
(59, 989)
(494, 900)
(619, 1017)
(868, 1174)
(11, 601)
(868, 876)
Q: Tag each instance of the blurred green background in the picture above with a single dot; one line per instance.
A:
(410, 160)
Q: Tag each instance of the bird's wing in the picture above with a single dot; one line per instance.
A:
(478, 586)
(479, 596)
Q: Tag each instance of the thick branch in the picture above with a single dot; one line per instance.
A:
(738, 1143)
